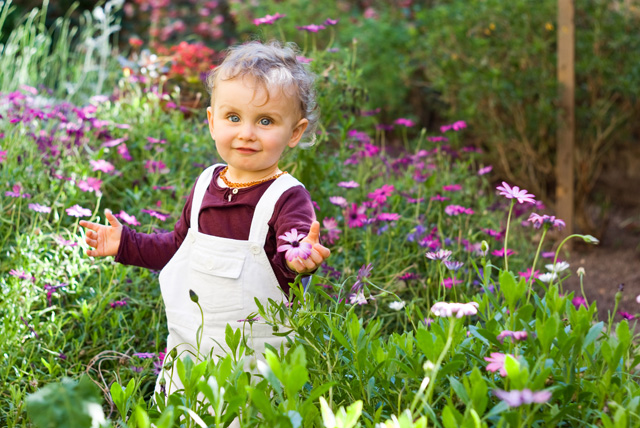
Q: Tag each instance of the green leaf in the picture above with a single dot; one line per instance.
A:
(459, 390)
(594, 332)
(623, 334)
(509, 288)
(547, 331)
(66, 403)
(478, 390)
(448, 417)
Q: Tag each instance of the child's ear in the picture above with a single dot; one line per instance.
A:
(298, 131)
(210, 120)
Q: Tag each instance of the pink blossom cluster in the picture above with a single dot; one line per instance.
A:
(454, 210)
(456, 126)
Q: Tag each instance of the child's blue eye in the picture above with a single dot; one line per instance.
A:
(265, 121)
(234, 118)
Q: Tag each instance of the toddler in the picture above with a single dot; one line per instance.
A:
(225, 245)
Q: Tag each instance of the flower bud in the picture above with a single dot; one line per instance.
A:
(580, 271)
(590, 239)
(173, 354)
(484, 247)
(193, 296)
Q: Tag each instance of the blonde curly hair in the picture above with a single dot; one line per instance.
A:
(271, 64)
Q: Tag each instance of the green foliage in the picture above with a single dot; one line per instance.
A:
(67, 403)
(494, 63)
(75, 62)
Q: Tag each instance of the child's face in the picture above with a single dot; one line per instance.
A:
(250, 132)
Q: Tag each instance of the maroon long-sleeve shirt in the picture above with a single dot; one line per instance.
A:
(225, 218)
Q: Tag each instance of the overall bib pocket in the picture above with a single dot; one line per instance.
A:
(216, 280)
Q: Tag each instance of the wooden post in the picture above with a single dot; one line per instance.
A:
(566, 114)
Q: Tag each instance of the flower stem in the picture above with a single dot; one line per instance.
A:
(434, 376)
(506, 236)
(535, 260)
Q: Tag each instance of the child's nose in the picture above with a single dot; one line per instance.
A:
(247, 132)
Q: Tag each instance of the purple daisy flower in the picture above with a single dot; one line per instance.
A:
(516, 193)
(39, 208)
(356, 216)
(404, 122)
(500, 252)
(129, 219)
(485, 170)
(348, 184)
(452, 187)
(144, 355)
(516, 398)
(78, 211)
(102, 165)
(294, 248)
(439, 255)
(453, 265)
(331, 226)
(338, 200)
(311, 28)
(156, 214)
(515, 335)
(268, 19)
(538, 220)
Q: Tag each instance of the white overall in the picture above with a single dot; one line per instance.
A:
(227, 275)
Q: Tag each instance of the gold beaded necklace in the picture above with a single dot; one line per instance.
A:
(250, 183)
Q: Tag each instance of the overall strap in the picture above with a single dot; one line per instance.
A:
(266, 205)
(202, 184)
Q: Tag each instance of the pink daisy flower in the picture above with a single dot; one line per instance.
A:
(496, 363)
(356, 215)
(129, 219)
(348, 184)
(516, 398)
(102, 165)
(78, 211)
(515, 193)
(156, 214)
(331, 226)
(338, 200)
(294, 248)
(452, 187)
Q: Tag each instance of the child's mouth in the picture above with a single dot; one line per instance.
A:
(245, 150)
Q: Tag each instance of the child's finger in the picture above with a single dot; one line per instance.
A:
(322, 250)
(113, 221)
(314, 233)
(89, 225)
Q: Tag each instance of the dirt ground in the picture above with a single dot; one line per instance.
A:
(615, 261)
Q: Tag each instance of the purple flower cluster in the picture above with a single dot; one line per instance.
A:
(454, 210)
(455, 126)
(540, 220)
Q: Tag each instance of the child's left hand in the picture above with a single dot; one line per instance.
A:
(318, 252)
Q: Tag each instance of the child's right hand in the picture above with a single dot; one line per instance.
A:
(104, 239)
